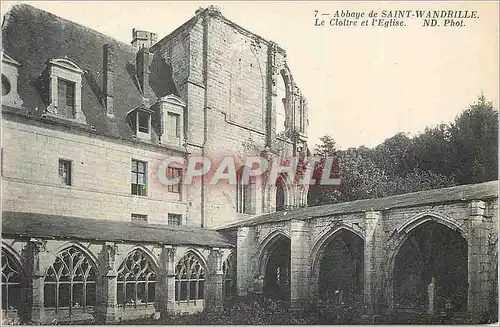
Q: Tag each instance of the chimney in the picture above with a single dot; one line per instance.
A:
(108, 76)
(142, 66)
(143, 39)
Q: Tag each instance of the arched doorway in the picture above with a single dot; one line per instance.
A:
(430, 270)
(277, 269)
(340, 279)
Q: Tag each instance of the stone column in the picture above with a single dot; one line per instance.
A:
(243, 271)
(106, 309)
(300, 252)
(166, 294)
(214, 299)
(478, 258)
(370, 256)
(39, 260)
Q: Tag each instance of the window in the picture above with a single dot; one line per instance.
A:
(174, 173)
(63, 79)
(138, 217)
(189, 279)
(280, 194)
(174, 219)
(136, 281)
(65, 171)
(173, 125)
(139, 120)
(11, 282)
(70, 281)
(66, 98)
(5, 85)
(229, 273)
(139, 178)
(143, 122)
(281, 104)
(243, 193)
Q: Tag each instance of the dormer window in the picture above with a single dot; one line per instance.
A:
(10, 67)
(173, 125)
(66, 98)
(171, 110)
(143, 122)
(65, 85)
(140, 121)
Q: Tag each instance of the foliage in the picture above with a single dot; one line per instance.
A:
(462, 152)
(257, 310)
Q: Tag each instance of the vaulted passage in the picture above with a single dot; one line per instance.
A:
(430, 271)
(341, 269)
(277, 273)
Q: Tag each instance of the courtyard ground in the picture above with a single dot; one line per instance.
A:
(261, 311)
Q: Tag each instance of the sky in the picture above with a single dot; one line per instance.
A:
(363, 84)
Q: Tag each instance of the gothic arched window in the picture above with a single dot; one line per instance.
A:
(136, 280)
(280, 194)
(189, 279)
(70, 281)
(11, 282)
(244, 194)
(229, 275)
(281, 104)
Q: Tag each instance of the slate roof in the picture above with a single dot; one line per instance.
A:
(23, 224)
(33, 36)
(482, 191)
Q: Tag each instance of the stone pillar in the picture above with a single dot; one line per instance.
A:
(478, 258)
(106, 310)
(214, 298)
(370, 259)
(166, 294)
(39, 260)
(243, 271)
(300, 252)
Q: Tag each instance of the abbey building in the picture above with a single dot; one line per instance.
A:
(89, 233)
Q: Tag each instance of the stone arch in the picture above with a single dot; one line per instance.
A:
(91, 255)
(71, 278)
(148, 252)
(319, 251)
(323, 239)
(284, 192)
(137, 278)
(273, 266)
(401, 236)
(196, 252)
(13, 281)
(11, 251)
(229, 274)
(268, 241)
(245, 191)
(426, 216)
(191, 276)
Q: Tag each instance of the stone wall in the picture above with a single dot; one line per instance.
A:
(101, 176)
(383, 233)
(227, 77)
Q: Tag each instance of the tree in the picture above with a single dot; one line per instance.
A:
(463, 152)
(474, 136)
